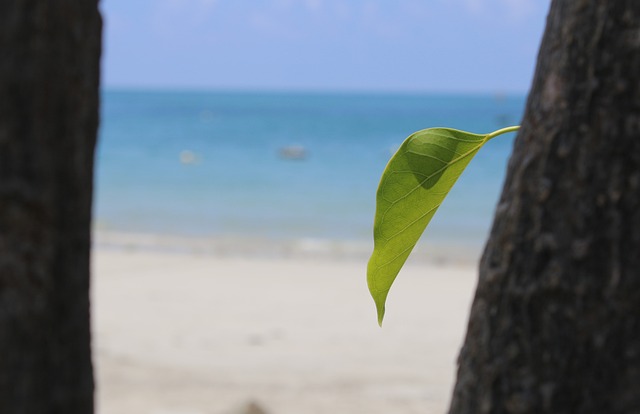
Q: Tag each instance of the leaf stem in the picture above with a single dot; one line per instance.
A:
(502, 131)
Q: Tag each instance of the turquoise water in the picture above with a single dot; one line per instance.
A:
(209, 163)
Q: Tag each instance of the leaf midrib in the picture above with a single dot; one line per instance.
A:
(421, 183)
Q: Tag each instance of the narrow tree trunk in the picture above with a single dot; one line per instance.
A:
(555, 323)
(49, 77)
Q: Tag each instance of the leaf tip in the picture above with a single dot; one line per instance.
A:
(380, 309)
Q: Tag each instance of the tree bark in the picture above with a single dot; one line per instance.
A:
(555, 323)
(49, 79)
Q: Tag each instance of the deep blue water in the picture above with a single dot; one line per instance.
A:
(239, 185)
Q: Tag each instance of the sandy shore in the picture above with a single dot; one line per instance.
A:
(188, 333)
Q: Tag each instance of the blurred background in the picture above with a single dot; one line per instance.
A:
(256, 131)
(272, 120)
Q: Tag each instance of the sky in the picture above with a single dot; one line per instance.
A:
(478, 46)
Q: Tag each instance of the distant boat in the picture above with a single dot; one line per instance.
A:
(500, 96)
(293, 152)
(503, 119)
(188, 157)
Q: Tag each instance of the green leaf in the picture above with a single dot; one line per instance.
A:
(414, 184)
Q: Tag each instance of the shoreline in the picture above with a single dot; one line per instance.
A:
(439, 253)
(189, 333)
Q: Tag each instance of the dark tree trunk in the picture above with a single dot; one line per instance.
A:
(555, 323)
(49, 76)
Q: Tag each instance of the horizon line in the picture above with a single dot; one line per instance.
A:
(332, 91)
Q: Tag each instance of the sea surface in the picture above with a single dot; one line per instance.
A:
(283, 166)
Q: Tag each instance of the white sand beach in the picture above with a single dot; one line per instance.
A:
(181, 332)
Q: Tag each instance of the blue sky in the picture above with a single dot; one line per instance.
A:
(350, 45)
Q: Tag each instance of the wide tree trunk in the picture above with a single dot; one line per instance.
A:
(555, 323)
(49, 77)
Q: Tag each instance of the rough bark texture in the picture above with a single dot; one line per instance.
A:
(555, 323)
(49, 75)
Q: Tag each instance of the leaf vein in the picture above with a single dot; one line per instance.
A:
(427, 178)
(423, 215)
(435, 134)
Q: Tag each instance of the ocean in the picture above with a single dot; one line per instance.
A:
(283, 167)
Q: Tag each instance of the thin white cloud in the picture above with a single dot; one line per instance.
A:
(475, 6)
(207, 4)
(519, 9)
(511, 9)
(170, 15)
(313, 5)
